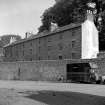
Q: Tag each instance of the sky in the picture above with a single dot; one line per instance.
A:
(21, 16)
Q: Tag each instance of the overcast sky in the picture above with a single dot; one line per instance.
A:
(20, 16)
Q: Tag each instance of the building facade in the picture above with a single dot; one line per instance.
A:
(64, 43)
(74, 41)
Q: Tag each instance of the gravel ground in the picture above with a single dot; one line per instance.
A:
(43, 93)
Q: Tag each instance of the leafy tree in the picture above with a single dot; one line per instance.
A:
(102, 33)
(73, 11)
(63, 13)
(5, 39)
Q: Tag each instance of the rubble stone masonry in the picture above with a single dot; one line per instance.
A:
(45, 70)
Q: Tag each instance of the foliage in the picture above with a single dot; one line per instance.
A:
(5, 39)
(102, 33)
(72, 11)
(63, 13)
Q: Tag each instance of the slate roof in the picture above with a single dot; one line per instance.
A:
(60, 29)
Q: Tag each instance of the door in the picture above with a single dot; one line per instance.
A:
(78, 72)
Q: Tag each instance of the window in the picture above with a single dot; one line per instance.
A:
(49, 39)
(39, 57)
(60, 46)
(49, 48)
(73, 43)
(73, 32)
(16, 53)
(76, 31)
(60, 36)
(16, 48)
(60, 57)
(5, 54)
(31, 44)
(39, 49)
(73, 55)
(23, 45)
(48, 57)
(23, 52)
(30, 51)
(11, 52)
(30, 59)
(39, 41)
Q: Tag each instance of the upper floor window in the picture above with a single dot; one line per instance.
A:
(23, 45)
(76, 31)
(16, 53)
(23, 52)
(60, 46)
(30, 51)
(39, 49)
(73, 32)
(48, 57)
(49, 39)
(73, 43)
(39, 41)
(60, 36)
(60, 57)
(73, 55)
(30, 43)
(30, 59)
(49, 48)
(39, 58)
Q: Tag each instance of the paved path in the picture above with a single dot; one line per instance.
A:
(44, 93)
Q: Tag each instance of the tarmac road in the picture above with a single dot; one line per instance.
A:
(44, 93)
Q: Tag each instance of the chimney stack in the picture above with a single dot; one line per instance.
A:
(90, 15)
(91, 11)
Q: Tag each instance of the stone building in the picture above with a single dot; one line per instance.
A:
(74, 41)
(66, 52)
(64, 43)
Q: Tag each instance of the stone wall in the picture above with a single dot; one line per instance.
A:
(43, 70)
(64, 43)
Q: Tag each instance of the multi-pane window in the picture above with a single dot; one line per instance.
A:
(16, 53)
(30, 59)
(73, 55)
(60, 46)
(23, 45)
(39, 40)
(23, 52)
(39, 57)
(60, 57)
(73, 32)
(48, 57)
(60, 36)
(30, 51)
(39, 49)
(31, 44)
(73, 43)
(49, 48)
(49, 39)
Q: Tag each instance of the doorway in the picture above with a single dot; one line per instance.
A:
(78, 72)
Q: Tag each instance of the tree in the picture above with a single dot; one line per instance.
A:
(66, 12)
(5, 39)
(102, 33)
(63, 13)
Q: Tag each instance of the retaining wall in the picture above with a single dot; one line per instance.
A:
(42, 70)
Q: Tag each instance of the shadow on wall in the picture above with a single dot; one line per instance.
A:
(66, 98)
